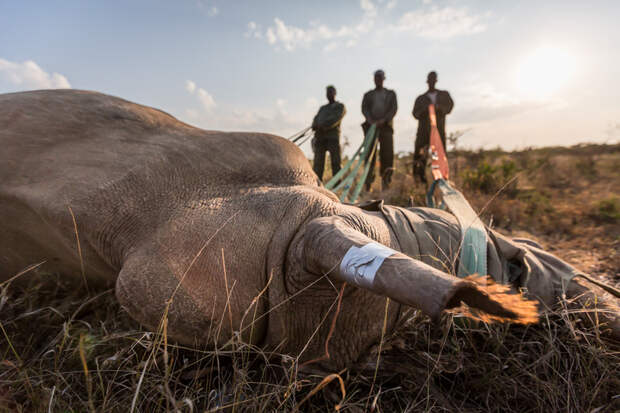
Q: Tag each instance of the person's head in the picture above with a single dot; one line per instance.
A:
(431, 79)
(330, 92)
(379, 78)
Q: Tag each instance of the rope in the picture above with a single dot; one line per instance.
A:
(296, 136)
(305, 138)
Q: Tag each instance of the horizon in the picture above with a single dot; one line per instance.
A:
(538, 74)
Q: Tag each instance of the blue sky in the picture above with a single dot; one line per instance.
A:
(525, 73)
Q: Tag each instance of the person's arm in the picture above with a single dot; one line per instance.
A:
(391, 112)
(316, 123)
(420, 107)
(366, 108)
(333, 117)
(445, 102)
(449, 103)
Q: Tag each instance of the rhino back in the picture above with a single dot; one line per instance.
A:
(72, 136)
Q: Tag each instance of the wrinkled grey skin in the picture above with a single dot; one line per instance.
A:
(211, 224)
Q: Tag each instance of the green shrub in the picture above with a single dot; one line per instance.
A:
(536, 202)
(488, 178)
(607, 210)
(482, 178)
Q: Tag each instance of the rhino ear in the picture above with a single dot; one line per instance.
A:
(332, 247)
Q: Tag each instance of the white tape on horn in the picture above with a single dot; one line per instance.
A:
(359, 265)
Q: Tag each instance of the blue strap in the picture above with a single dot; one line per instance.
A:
(430, 202)
(473, 255)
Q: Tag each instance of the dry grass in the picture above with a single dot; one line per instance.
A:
(70, 354)
(65, 350)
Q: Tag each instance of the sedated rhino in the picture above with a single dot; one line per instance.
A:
(231, 232)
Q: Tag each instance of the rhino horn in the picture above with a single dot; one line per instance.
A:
(333, 247)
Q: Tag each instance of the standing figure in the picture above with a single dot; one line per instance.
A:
(326, 127)
(379, 107)
(443, 105)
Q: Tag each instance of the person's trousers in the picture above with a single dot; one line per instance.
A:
(420, 157)
(385, 147)
(322, 146)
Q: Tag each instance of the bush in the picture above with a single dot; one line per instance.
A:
(488, 178)
(482, 178)
(607, 210)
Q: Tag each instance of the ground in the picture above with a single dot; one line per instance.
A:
(69, 350)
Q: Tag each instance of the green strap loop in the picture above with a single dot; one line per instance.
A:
(360, 183)
(361, 151)
(347, 175)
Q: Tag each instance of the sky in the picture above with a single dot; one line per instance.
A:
(521, 73)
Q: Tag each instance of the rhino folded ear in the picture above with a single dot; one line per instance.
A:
(332, 247)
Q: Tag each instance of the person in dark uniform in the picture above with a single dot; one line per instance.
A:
(379, 107)
(443, 105)
(326, 127)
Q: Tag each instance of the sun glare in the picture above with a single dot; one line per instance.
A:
(544, 71)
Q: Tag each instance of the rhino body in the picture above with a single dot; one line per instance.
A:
(219, 232)
(156, 201)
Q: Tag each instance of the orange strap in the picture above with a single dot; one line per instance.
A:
(439, 161)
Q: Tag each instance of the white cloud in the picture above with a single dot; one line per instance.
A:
(205, 98)
(369, 8)
(271, 36)
(442, 23)
(190, 86)
(330, 46)
(29, 75)
(209, 7)
(483, 102)
(280, 116)
(290, 37)
(434, 22)
(281, 105)
(254, 30)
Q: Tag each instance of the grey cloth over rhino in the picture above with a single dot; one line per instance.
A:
(433, 236)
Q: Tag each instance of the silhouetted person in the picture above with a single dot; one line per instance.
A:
(443, 105)
(379, 107)
(326, 126)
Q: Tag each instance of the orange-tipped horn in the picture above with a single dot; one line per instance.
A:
(332, 247)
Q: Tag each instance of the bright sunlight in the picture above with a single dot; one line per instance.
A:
(544, 71)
